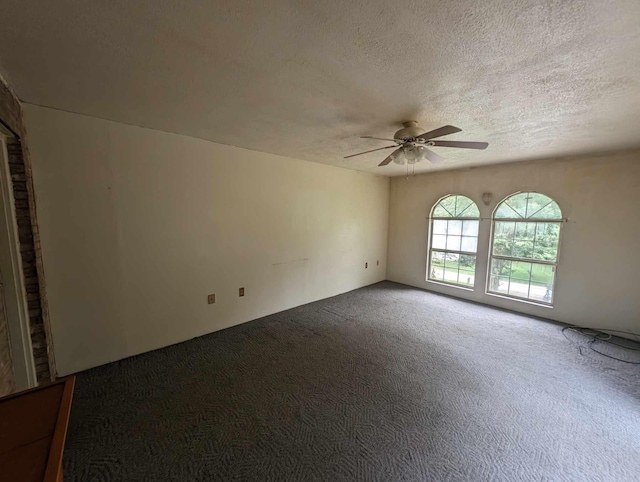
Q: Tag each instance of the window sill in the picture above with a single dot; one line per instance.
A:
(520, 300)
(451, 285)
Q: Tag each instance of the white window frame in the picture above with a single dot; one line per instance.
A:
(491, 256)
(430, 249)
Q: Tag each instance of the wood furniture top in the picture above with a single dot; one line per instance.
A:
(33, 427)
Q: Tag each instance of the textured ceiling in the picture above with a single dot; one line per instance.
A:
(306, 78)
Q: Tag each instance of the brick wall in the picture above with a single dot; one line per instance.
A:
(31, 261)
(28, 255)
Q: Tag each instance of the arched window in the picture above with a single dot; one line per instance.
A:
(524, 247)
(454, 241)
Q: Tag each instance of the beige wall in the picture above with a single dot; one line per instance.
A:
(139, 226)
(598, 279)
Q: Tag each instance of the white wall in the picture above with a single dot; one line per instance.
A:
(139, 226)
(598, 279)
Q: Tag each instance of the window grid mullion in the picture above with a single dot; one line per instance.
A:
(451, 251)
(526, 260)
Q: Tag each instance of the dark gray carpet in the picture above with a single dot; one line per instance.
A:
(383, 383)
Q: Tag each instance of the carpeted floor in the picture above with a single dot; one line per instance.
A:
(383, 383)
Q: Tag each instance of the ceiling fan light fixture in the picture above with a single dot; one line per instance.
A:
(398, 157)
(414, 153)
(411, 153)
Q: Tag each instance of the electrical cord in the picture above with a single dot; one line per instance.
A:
(598, 335)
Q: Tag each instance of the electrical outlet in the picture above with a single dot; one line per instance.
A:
(211, 299)
(378, 262)
(366, 265)
(241, 292)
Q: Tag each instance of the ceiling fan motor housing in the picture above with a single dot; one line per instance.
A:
(410, 130)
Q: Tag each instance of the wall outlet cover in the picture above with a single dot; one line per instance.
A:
(241, 292)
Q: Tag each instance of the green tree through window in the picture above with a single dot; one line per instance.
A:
(524, 253)
(454, 241)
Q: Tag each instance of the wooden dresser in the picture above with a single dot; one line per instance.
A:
(33, 427)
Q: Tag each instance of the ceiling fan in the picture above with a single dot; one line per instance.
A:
(411, 144)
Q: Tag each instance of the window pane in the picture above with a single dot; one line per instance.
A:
(451, 275)
(470, 228)
(542, 207)
(453, 268)
(440, 212)
(439, 226)
(525, 231)
(467, 209)
(453, 243)
(503, 238)
(502, 247)
(469, 244)
(551, 211)
(536, 202)
(449, 204)
(526, 280)
(528, 205)
(467, 261)
(500, 272)
(506, 211)
(437, 265)
(456, 206)
(513, 207)
(439, 241)
(542, 280)
(520, 277)
(451, 260)
(547, 236)
(466, 278)
(467, 271)
(504, 229)
(455, 228)
(451, 264)
(437, 257)
(522, 249)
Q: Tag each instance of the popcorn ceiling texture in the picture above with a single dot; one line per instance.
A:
(305, 79)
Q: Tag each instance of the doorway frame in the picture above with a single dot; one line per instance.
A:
(16, 307)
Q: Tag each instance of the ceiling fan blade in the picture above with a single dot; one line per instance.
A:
(441, 131)
(379, 138)
(433, 157)
(389, 158)
(461, 144)
(372, 150)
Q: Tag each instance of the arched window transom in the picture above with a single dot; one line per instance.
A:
(454, 241)
(524, 247)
